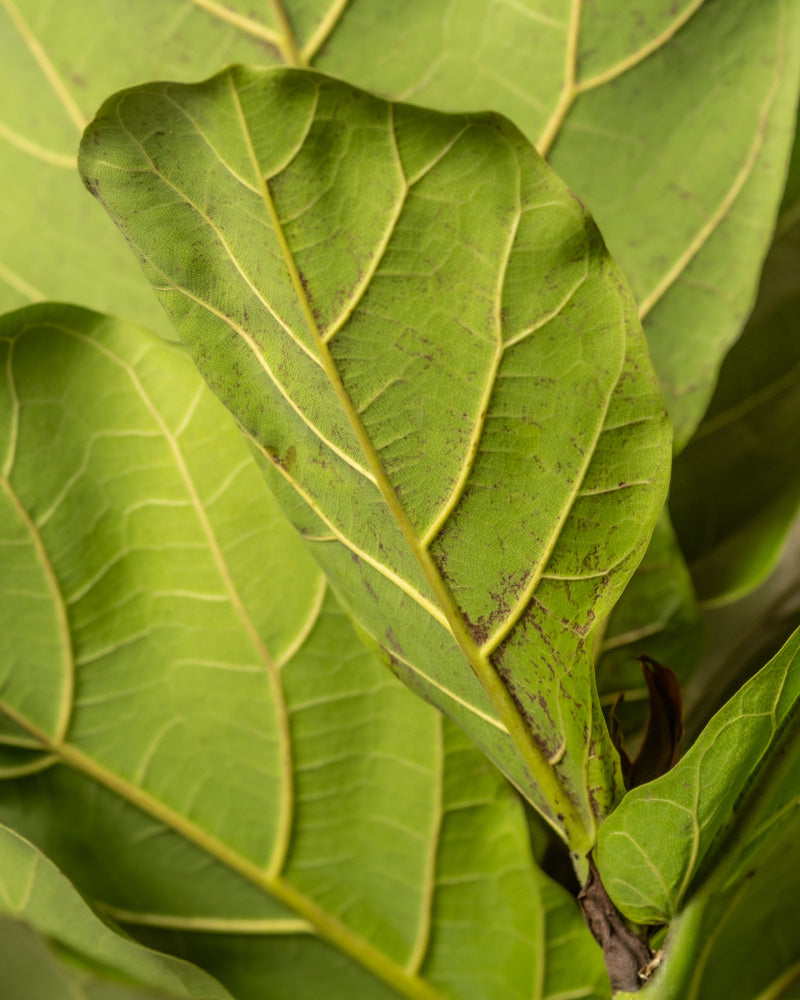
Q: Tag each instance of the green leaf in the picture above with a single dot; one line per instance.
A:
(656, 616)
(736, 487)
(59, 61)
(441, 369)
(53, 947)
(671, 120)
(740, 943)
(709, 820)
(227, 759)
(633, 106)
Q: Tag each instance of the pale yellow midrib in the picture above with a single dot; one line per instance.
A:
(568, 89)
(554, 794)
(328, 926)
(46, 66)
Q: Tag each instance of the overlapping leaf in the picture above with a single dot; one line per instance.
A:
(736, 488)
(657, 616)
(441, 369)
(740, 943)
(53, 947)
(229, 764)
(721, 807)
(672, 122)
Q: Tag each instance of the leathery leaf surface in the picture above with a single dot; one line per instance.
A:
(421, 332)
(204, 746)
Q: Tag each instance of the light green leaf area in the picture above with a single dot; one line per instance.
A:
(53, 947)
(736, 487)
(719, 810)
(673, 123)
(657, 616)
(229, 759)
(440, 369)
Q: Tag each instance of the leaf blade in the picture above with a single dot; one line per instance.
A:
(719, 806)
(173, 757)
(528, 282)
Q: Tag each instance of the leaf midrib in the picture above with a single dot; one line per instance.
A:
(549, 783)
(329, 927)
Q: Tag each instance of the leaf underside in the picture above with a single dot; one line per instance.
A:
(222, 762)
(440, 369)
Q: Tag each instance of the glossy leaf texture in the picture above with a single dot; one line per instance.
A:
(672, 122)
(736, 487)
(53, 947)
(441, 370)
(220, 756)
(716, 815)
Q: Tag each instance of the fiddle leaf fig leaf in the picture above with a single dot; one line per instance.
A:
(710, 819)
(53, 947)
(222, 760)
(441, 370)
(671, 119)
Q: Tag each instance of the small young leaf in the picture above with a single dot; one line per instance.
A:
(441, 369)
(718, 809)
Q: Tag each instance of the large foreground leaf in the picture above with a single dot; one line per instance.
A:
(52, 947)
(221, 757)
(716, 815)
(671, 120)
(441, 370)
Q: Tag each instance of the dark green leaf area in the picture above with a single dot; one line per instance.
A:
(736, 487)
(440, 368)
(719, 810)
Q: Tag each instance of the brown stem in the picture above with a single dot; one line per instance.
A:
(625, 954)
